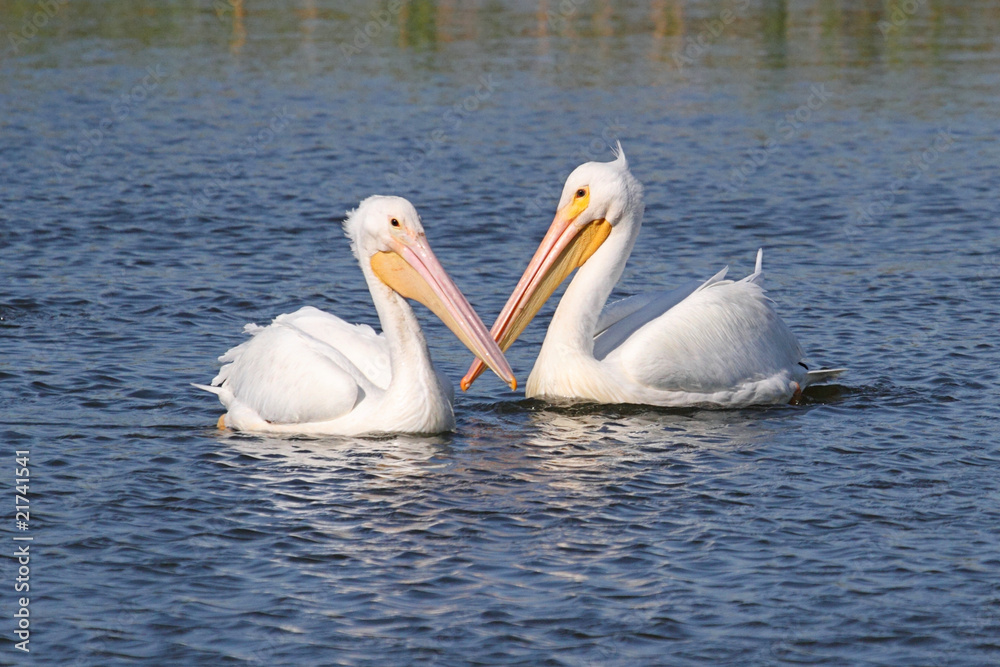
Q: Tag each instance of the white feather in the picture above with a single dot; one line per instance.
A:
(717, 343)
(312, 372)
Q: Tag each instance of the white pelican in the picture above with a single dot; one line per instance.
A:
(717, 343)
(312, 372)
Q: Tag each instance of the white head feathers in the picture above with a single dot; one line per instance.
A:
(369, 224)
(613, 189)
(619, 153)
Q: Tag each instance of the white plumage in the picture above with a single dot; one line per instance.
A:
(312, 372)
(717, 343)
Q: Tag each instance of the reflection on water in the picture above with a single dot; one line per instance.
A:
(239, 36)
(388, 459)
(742, 34)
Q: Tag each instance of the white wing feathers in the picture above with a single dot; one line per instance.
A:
(715, 339)
(822, 375)
(620, 319)
(306, 366)
(708, 338)
(366, 350)
(757, 276)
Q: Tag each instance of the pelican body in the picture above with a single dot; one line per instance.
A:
(312, 372)
(716, 343)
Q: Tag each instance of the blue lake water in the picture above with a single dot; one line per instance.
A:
(172, 171)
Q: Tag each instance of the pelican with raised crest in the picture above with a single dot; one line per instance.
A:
(311, 372)
(714, 343)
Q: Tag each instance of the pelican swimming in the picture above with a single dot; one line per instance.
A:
(718, 343)
(312, 372)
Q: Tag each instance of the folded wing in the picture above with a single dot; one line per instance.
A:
(306, 366)
(714, 337)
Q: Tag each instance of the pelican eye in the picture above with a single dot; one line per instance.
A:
(581, 193)
(394, 222)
